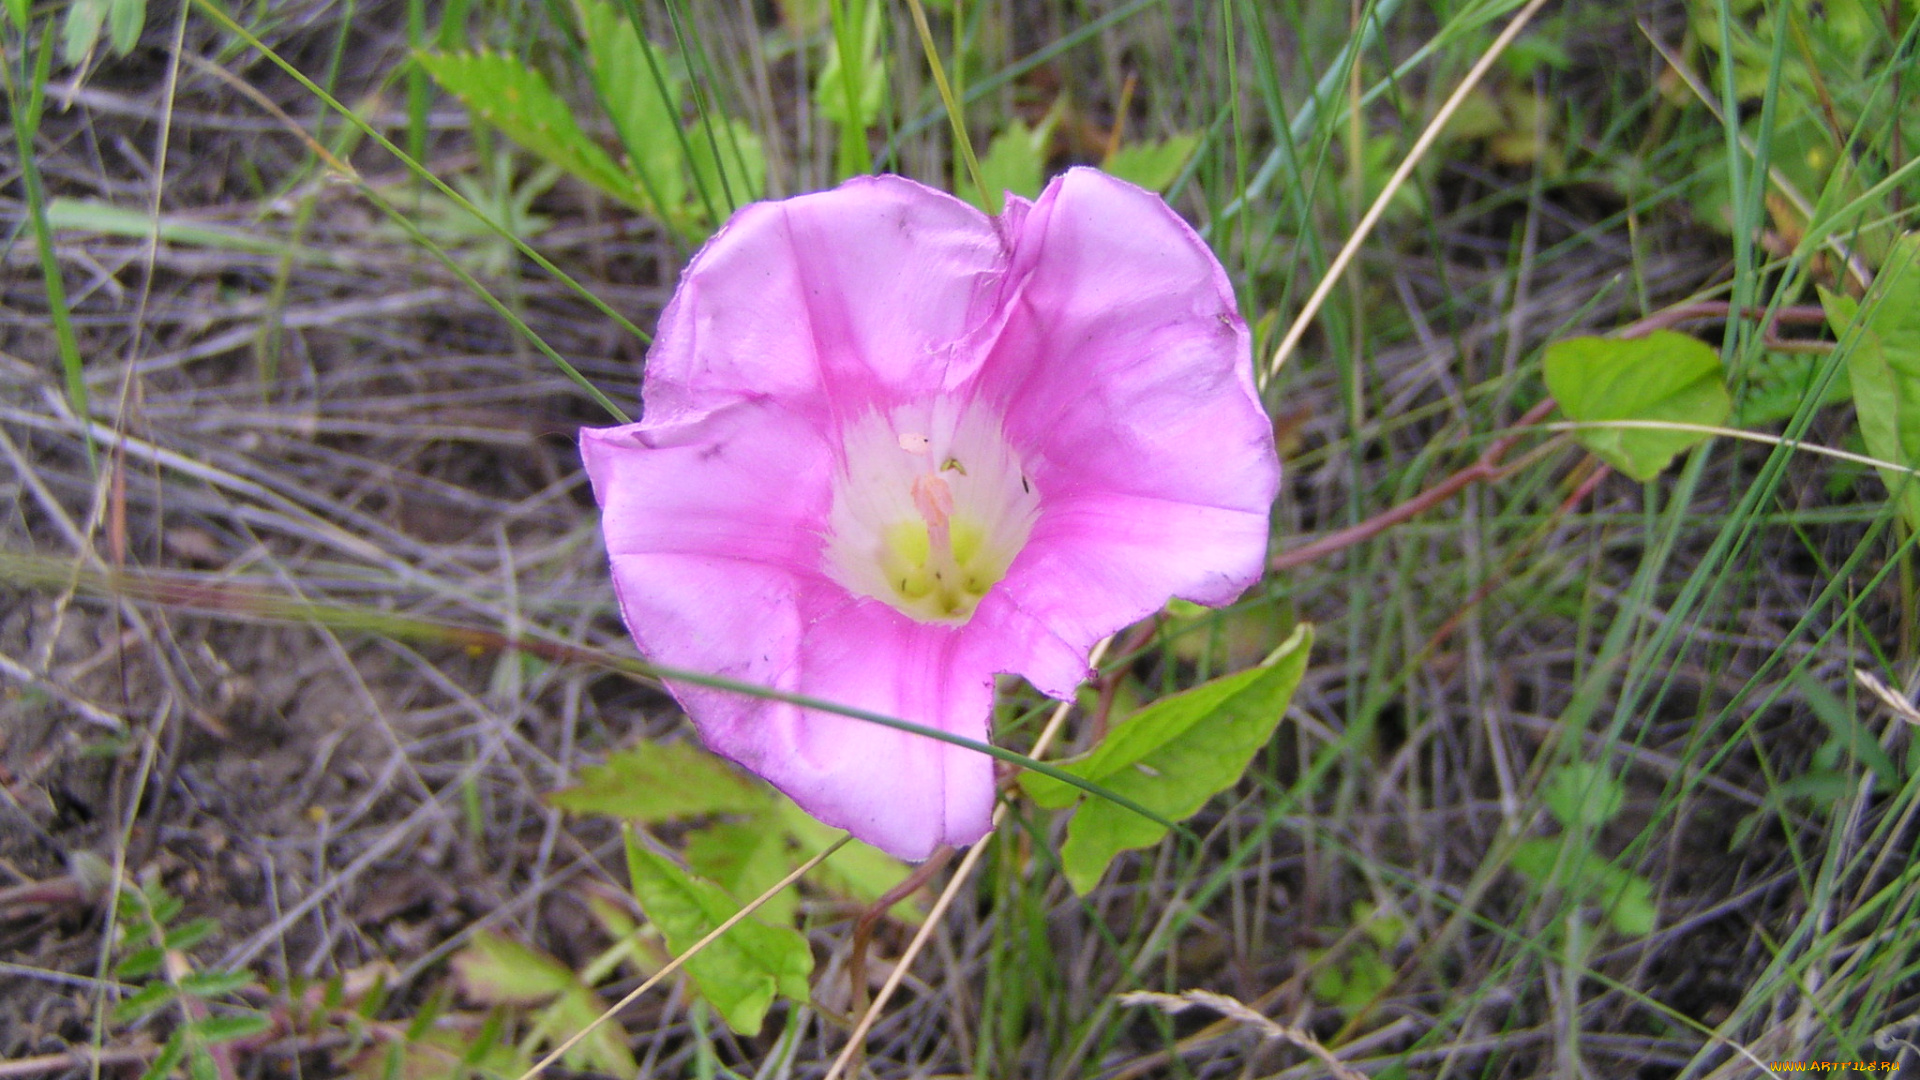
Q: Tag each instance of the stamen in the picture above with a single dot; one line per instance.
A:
(929, 540)
(934, 499)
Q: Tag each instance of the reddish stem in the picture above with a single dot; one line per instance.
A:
(863, 927)
(1488, 466)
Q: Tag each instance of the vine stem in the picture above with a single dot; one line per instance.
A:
(1486, 468)
(1489, 465)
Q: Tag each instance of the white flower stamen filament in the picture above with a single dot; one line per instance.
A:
(930, 540)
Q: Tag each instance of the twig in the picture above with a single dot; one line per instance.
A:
(1239, 1013)
(1795, 314)
(863, 927)
(77, 1058)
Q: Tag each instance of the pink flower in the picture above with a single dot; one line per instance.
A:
(893, 446)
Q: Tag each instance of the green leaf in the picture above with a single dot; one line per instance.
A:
(739, 973)
(1584, 794)
(742, 159)
(1820, 787)
(84, 20)
(1664, 376)
(1172, 757)
(140, 963)
(169, 1056)
(518, 101)
(1624, 897)
(164, 907)
(499, 971)
(1152, 165)
(1778, 382)
(220, 1029)
(1014, 162)
(1353, 983)
(1848, 732)
(851, 94)
(149, 998)
(87, 215)
(746, 858)
(213, 984)
(200, 1064)
(661, 782)
(605, 1047)
(17, 11)
(859, 871)
(1880, 337)
(125, 20)
(624, 67)
(187, 934)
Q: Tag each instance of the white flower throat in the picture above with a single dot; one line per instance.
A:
(929, 509)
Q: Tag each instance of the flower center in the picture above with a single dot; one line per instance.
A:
(929, 509)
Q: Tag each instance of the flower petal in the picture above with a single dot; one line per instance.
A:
(713, 529)
(1125, 380)
(832, 302)
(1101, 334)
(903, 793)
(1100, 561)
(750, 481)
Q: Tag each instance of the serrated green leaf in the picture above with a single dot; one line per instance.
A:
(125, 20)
(187, 934)
(605, 1047)
(746, 858)
(220, 1029)
(741, 972)
(200, 1065)
(517, 100)
(1663, 377)
(82, 29)
(168, 1057)
(1584, 794)
(1015, 161)
(140, 963)
(1152, 165)
(1172, 757)
(149, 998)
(1880, 337)
(500, 971)
(213, 984)
(624, 67)
(661, 782)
